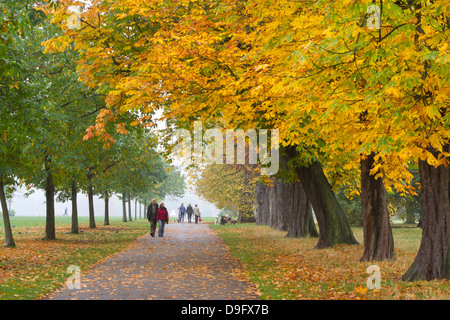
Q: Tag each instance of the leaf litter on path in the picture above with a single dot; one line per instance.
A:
(189, 262)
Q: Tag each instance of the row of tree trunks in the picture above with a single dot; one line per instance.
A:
(433, 258)
(284, 206)
(301, 222)
(333, 224)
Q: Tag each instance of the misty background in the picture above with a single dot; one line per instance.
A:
(34, 205)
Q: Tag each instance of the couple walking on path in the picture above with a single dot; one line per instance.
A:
(157, 214)
(189, 211)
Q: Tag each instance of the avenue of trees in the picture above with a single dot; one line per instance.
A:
(46, 113)
(359, 91)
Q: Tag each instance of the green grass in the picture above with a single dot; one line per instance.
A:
(33, 221)
(290, 268)
(36, 267)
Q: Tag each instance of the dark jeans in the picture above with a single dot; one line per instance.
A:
(152, 227)
(161, 227)
(196, 219)
(189, 217)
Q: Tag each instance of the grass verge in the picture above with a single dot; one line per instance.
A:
(290, 268)
(36, 267)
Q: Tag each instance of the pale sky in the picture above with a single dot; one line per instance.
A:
(34, 205)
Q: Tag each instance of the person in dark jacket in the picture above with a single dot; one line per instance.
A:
(182, 213)
(163, 217)
(151, 216)
(189, 212)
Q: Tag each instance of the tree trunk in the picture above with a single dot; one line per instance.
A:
(280, 206)
(74, 208)
(106, 223)
(50, 232)
(410, 218)
(129, 207)
(124, 207)
(145, 208)
(300, 217)
(6, 223)
(273, 210)
(91, 206)
(433, 258)
(289, 198)
(333, 224)
(378, 239)
(262, 204)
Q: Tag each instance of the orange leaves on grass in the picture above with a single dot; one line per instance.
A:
(36, 263)
(288, 268)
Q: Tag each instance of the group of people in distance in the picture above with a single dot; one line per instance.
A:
(159, 214)
(182, 211)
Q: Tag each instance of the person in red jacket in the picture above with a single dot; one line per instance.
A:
(163, 217)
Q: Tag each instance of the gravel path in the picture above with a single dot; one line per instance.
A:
(189, 262)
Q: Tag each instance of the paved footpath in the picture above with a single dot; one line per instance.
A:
(189, 262)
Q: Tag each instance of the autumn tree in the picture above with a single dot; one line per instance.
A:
(13, 22)
(229, 187)
(387, 88)
(211, 56)
(58, 104)
(25, 100)
(337, 84)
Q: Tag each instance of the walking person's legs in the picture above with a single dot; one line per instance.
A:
(161, 228)
(152, 227)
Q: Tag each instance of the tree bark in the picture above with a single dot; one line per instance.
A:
(333, 224)
(273, 210)
(301, 223)
(74, 208)
(410, 218)
(90, 176)
(262, 204)
(91, 206)
(106, 222)
(378, 239)
(290, 198)
(129, 207)
(124, 207)
(282, 201)
(5, 212)
(433, 258)
(50, 232)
